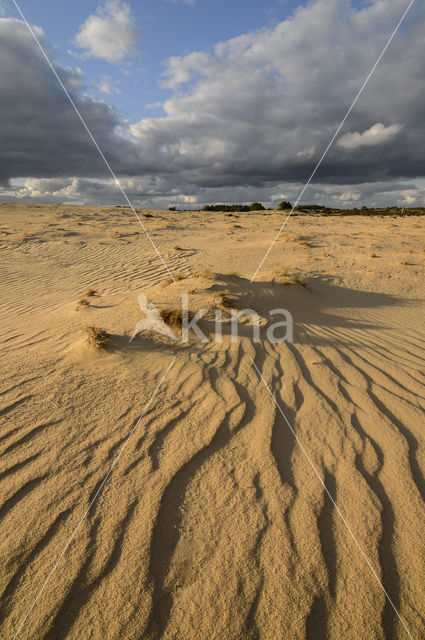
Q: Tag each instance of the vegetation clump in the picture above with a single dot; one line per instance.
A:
(285, 205)
(222, 299)
(82, 303)
(172, 317)
(283, 276)
(97, 338)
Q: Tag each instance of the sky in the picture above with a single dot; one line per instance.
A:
(198, 101)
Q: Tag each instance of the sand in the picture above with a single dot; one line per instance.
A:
(213, 523)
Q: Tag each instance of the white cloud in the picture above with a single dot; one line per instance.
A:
(105, 84)
(245, 122)
(108, 34)
(181, 69)
(306, 153)
(376, 135)
(262, 107)
(349, 196)
(413, 197)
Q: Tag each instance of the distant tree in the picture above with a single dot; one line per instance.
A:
(172, 208)
(257, 206)
(284, 205)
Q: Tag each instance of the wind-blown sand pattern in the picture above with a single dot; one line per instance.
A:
(213, 524)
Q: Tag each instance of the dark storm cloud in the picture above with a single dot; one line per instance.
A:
(40, 131)
(251, 117)
(265, 105)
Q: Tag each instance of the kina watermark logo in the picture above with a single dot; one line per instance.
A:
(276, 327)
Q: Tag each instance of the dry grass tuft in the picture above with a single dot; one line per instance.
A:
(179, 276)
(207, 274)
(172, 317)
(304, 243)
(97, 338)
(373, 255)
(283, 276)
(177, 248)
(222, 299)
(82, 303)
(90, 292)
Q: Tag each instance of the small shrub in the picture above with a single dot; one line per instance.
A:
(222, 299)
(284, 206)
(172, 317)
(97, 338)
(283, 276)
(82, 303)
(90, 292)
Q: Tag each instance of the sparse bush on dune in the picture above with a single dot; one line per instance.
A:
(207, 274)
(82, 303)
(90, 292)
(97, 338)
(283, 276)
(172, 317)
(222, 299)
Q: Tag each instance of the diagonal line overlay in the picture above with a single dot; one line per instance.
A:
(362, 88)
(337, 509)
(77, 111)
(93, 500)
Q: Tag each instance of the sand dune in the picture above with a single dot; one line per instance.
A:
(213, 523)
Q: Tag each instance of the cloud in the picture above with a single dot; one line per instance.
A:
(108, 34)
(181, 70)
(105, 84)
(245, 122)
(41, 134)
(262, 107)
(378, 134)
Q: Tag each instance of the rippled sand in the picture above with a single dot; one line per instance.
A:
(215, 522)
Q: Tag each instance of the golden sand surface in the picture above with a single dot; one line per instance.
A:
(214, 522)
